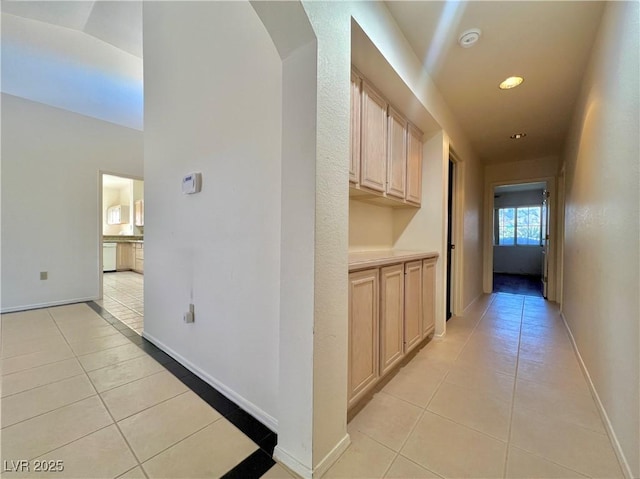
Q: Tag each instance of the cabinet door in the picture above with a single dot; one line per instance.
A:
(139, 213)
(396, 154)
(373, 157)
(356, 99)
(412, 305)
(363, 332)
(414, 166)
(428, 296)
(391, 316)
(124, 257)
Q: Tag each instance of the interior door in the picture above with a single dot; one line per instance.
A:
(450, 246)
(545, 243)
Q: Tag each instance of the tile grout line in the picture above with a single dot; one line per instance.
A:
(189, 388)
(424, 410)
(104, 405)
(75, 402)
(513, 397)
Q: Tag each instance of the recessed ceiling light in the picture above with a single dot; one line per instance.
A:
(517, 136)
(469, 38)
(511, 82)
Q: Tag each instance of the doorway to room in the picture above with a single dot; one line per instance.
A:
(122, 249)
(450, 244)
(520, 238)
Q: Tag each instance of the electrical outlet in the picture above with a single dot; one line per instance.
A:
(44, 275)
(189, 316)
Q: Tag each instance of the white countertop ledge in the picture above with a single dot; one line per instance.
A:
(374, 259)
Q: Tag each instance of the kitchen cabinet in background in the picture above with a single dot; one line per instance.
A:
(138, 262)
(124, 257)
(139, 213)
(118, 215)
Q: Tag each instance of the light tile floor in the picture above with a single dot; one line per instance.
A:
(123, 297)
(501, 396)
(75, 389)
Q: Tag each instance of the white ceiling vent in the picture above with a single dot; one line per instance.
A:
(469, 38)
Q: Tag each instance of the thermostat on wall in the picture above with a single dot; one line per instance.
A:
(192, 183)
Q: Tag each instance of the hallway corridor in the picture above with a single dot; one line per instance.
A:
(502, 395)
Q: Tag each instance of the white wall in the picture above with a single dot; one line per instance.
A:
(50, 212)
(370, 226)
(602, 233)
(69, 69)
(213, 104)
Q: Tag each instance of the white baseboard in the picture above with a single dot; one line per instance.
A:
(473, 301)
(248, 406)
(305, 472)
(50, 304)
(335, 453)
(292, 463)
(624, 464)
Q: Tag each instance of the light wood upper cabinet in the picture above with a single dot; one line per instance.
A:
(391, 316)
(373, 155)
(139, 213)
(428, 296)
(363, 332)
(396, 154)
(413, 315)
(414, 166)
(356, 101)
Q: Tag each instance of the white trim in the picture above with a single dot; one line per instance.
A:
(303, 471)
(26, 307)
(248, 406)
(457, 266)
(487, 261)
(292, 463)
(333, 455)
(624, 464)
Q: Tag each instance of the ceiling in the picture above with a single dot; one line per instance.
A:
(116, 182)
(117, 22)
(546, 42)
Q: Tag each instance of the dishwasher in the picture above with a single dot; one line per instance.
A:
(109, 257)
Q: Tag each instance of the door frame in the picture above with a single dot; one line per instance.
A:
(457, 234)
(101, 173)
(487, 273)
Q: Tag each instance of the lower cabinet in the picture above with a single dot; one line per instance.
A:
(391, 311)
(363, 332)
(124, 257)
(391, 316)
(428, 296)
(412, 305)
(138, 260)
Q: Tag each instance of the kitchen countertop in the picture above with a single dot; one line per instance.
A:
(122, 239)
(373, 259)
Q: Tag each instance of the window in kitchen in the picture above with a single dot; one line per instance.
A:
(518, 226)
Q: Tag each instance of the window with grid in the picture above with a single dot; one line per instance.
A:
(518, 226)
